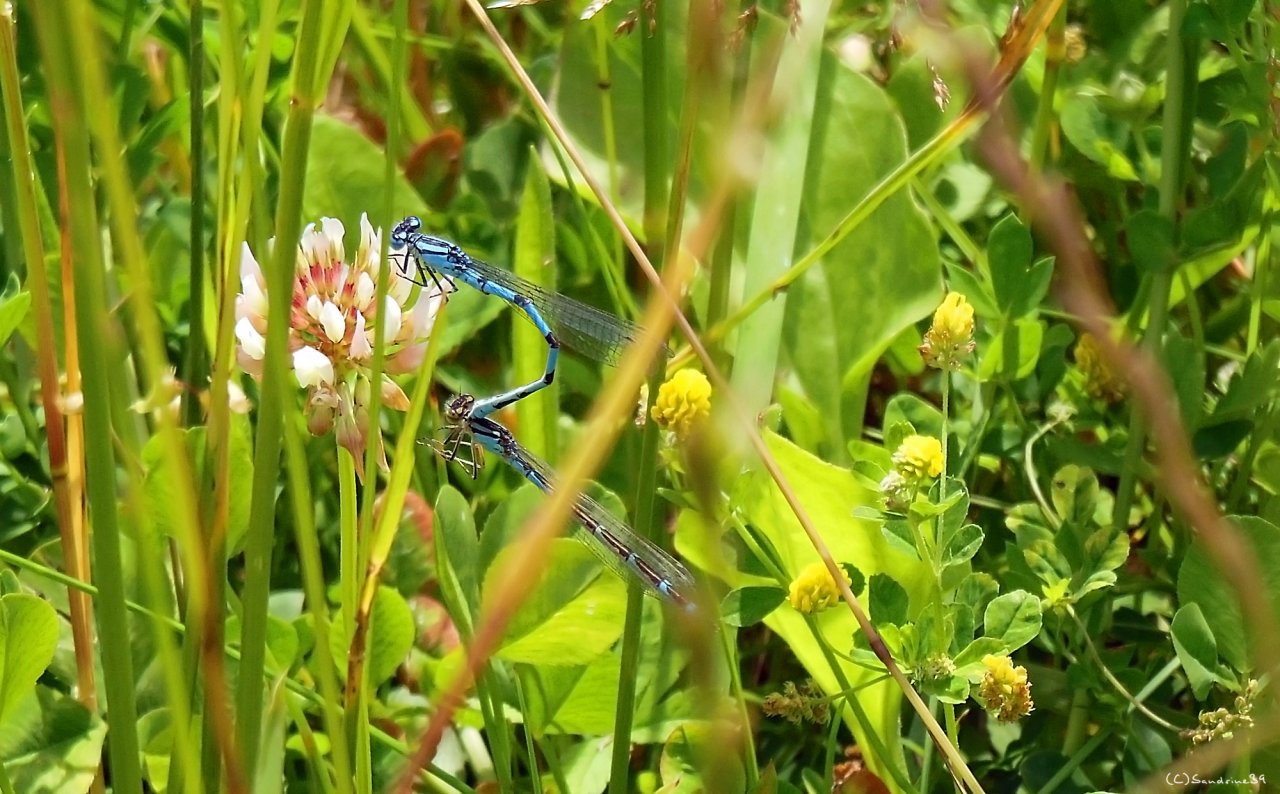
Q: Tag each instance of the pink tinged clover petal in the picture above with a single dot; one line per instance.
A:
(311, 367)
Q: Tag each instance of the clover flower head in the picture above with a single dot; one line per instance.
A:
(683, 403)
(1004, 690)
(333, 320)
(1100, 380)
(805, 703)
(949, 339)
(918, 459)
(936, 668)
(897, 492)
(1222, 723)
(814, 590)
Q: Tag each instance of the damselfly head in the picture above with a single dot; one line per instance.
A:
(400, 234)
(458, 410)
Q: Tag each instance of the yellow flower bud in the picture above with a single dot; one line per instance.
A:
(813, 590)
(918, 458)
(683, 403)
(950, 337)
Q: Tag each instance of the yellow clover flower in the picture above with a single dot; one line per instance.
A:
(1100, 380)
(683, 403)
(813, 589)
(950, 337)
(1004, 689)
(918, 458)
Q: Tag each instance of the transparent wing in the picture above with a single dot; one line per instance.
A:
(619, 548)
(590, 331)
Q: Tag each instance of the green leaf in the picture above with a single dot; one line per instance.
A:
(976, 590)
(969, 661)
(1009, 252)
(951, 689)
(881, 278)
(1033, 287)
(582, 699)
(1217, 441)
(1014, 351)
(283, 643)
(571, 615)
(1105, 550)
(387, 644)
(909, 413)
(1074, 494)
(886, 600)
(1013, 618)
(1197, 649)
(1086, 127)
(898, 532)
(1150, 236)
(455, 535)
(345, 179)
(14, 304)
(392, 637)
(961, 545)
(50, 744)
(1232, 12)
(1252, 387)
(747, 606)
(1184, 361)
(160, 487)
(28, 637)
(1201, 583)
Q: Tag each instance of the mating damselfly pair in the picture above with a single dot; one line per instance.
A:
(469, 429)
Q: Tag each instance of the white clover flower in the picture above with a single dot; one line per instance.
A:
(332, 320)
